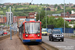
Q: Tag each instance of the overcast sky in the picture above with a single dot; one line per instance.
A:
(38, 1)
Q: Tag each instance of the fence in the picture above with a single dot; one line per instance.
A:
(67, 30)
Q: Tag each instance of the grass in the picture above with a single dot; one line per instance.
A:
(73, 36)
(8, 10)
(33, 6)
(20, 8)
(1, 11)
(4, 8)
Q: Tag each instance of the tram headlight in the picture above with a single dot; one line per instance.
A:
(38, 35)
(26, 35)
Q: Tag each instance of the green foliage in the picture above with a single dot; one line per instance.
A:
(72, 22)
(59, 8)
(55, 5)
(44, 22)
(68, 10)
(30, 3)
(41, 14)
(58, 23)
(74, 26)
(74, 6)
(51, 20)
(32, 8)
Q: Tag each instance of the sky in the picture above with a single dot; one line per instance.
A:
(38, 1)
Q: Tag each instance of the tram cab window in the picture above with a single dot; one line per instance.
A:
(32, 27)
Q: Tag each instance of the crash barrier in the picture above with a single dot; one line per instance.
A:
(68, 34)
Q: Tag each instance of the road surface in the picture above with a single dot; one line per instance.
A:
(68, 44)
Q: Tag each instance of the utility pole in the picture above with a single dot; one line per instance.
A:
(46, 17)
(64, 16)
(39, 15)
(10, 25)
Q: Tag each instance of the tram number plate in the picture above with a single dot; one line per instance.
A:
(32, 40)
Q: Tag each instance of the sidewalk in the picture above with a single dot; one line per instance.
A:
(14, 44)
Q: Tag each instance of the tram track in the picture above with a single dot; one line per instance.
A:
(40, 46)
(37, 46)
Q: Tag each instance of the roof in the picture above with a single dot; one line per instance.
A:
(72, 15)
(56, 14)
(32, 13)
(60, 16)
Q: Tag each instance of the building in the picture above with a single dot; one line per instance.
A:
(66, 15)
(3, 20)
(56, 14)
(72, 16)
(47, 9)
(32, 15)
(52, 9)
(72, 12)
(7, 3)
(8, 17)
(14, 19)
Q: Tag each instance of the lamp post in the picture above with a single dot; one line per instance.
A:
(46, 17)
(39, 15)
(10, 25)
(64, 16)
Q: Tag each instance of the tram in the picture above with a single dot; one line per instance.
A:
(30, 31)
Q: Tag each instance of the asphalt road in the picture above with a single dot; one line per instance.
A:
(68, 44)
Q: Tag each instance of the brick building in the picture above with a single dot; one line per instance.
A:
(72, 16)
(3, 19)
(66, 15)
(16, 18)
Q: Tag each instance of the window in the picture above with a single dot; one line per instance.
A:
(32, 27)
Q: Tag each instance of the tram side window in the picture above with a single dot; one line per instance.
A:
(22, 29)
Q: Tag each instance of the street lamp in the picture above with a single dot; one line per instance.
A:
(64, 16)
(46, 17)
(31, 2)
(39, 15)
(10, 25)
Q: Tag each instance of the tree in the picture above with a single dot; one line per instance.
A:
(58, 23)
(41, 4)
(44, 22)
(42, 14)
(30, 3)
(55, 5)
(59, 8)
(74, 6)
(51, 20)
(74, 26)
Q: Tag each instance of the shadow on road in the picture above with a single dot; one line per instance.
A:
(57, 41)
(32, 43)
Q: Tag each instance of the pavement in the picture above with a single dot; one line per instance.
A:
(14, 44)
(68, 44)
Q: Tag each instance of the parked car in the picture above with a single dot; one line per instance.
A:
(56, 35)
(44, 32)
(5, 32)
(1, 32)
